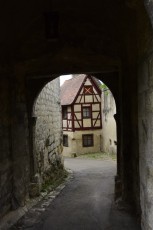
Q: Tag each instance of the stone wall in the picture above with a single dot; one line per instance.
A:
(5, 157)
(145, 114)
(18, 166)
(48, 130)
(14, 154)
(146, 141)
(108, 122)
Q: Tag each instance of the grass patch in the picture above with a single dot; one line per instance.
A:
(56, 180)
(98, 156)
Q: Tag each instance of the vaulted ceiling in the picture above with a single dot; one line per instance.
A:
(89, 34)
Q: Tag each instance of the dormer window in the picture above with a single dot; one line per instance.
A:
(88, 90)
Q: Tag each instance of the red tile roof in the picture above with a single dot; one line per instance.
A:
(70, 89)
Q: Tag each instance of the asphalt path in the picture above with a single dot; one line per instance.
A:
(87, 202)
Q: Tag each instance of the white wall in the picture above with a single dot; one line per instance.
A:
(108, 122)
(75, 143)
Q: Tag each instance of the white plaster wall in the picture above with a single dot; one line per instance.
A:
(75, 143)
(108, 123)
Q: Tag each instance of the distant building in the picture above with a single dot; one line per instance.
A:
(81, 115)
(109, 139)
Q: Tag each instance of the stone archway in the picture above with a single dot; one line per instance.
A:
(115, 36)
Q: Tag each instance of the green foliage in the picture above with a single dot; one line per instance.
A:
(55, 180)
(103, 86)
(105, 89)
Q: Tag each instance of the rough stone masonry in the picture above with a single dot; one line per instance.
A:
(25, 167)
(47, 132)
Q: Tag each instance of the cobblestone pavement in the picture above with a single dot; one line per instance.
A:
(86, 203)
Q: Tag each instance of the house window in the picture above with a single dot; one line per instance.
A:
(64, 112)
(86, 112)
(65, 140)
(87, 140)
(88, 90)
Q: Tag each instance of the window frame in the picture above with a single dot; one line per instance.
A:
(89, 112)
(64, 113)
(87, 144)
(65, 142)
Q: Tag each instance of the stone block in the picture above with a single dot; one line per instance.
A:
(150, 63)
(143, 77)
(48, 126)
(34, 190)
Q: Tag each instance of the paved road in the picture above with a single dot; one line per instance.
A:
(86, 203)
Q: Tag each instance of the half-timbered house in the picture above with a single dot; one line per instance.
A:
(81, 115)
